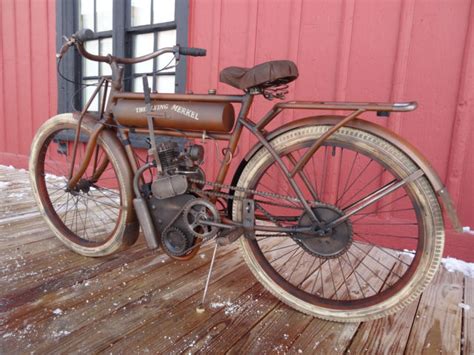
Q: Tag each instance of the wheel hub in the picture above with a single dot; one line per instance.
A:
(83, 185)
(328, 242)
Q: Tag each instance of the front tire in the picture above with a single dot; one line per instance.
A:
(97, 217)
(395, 245)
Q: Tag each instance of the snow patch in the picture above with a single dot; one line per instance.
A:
(468, 230)
(452, 265)
(229, 307)
(17, 195)
(9, 167)
(58, 311)
(4, 184)
(57, 334)
(55, 178)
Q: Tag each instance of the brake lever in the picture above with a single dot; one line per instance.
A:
(69, 43)
(176, 53)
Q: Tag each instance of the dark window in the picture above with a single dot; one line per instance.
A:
(123, 28)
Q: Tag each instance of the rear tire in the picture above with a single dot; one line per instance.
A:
(97, 219)
(392, 294)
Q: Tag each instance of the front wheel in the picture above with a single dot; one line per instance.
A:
(370, 265)
(96, 217)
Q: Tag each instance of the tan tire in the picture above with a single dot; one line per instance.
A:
(97, 218)
(349, 265)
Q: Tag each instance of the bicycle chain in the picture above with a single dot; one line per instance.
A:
(239, 189)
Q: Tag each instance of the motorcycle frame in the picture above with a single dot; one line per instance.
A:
(355, 109)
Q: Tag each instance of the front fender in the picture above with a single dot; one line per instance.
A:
(123, 163)
(379, 131)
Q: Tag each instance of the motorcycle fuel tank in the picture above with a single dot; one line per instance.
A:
(183, 115)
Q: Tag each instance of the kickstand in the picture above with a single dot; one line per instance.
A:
(200, 308)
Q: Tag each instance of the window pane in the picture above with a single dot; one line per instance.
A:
(165, 83)
(86, 14)
(143, 44)
(137, 84)
(104, 15)
(86, 94)
(166, 39)
(141, 12)
(105, 48)
(90, 68)
(163, 11)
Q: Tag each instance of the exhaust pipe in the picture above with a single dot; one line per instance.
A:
(143, 214)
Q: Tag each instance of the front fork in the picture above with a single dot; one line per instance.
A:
(75, 176)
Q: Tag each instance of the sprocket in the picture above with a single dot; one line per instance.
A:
(195, 212)
(175, 242)
(334, 242)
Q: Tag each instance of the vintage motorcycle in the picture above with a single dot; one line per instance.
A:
(336, 216)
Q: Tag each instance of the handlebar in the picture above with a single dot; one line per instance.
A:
(78, 38)
(84, 35)
(195, 52)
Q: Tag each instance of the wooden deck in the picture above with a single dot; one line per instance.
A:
(52, 300)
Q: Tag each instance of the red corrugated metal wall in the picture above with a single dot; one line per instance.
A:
(346, 50)
(28, 90)
(361, 51)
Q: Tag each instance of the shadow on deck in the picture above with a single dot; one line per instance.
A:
(52, 300)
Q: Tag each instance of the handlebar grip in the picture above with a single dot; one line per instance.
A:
(84, 35)
(194, 52)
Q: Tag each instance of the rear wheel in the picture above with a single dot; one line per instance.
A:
(370, 265)
(95, 218)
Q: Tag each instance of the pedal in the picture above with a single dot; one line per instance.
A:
(229, 236)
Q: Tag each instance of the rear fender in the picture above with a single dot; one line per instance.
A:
(379, 131)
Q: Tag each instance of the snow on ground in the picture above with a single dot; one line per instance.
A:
(452, 264)
(10, 167)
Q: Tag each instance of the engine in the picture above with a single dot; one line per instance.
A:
(174, 210)
(173, 161)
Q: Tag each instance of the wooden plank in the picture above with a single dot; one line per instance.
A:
(70, 297)
(88, 290)
(185, 324)
(143, 303)
(323, 337)
(387, 335)
(192, 323)
(218, 330)
(437, 326)
(275, 333)
(467, 340)
(71, 272)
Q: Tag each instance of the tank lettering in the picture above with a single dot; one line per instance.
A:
(185, 111)
(177, 108)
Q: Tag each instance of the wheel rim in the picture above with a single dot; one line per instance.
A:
(344, 282)
(90, 214)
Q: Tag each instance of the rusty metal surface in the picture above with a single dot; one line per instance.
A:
(182, 115)
(384, 133)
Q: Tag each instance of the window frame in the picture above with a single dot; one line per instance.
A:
(71, 66)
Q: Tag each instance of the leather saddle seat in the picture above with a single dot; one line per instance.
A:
(268, 74)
